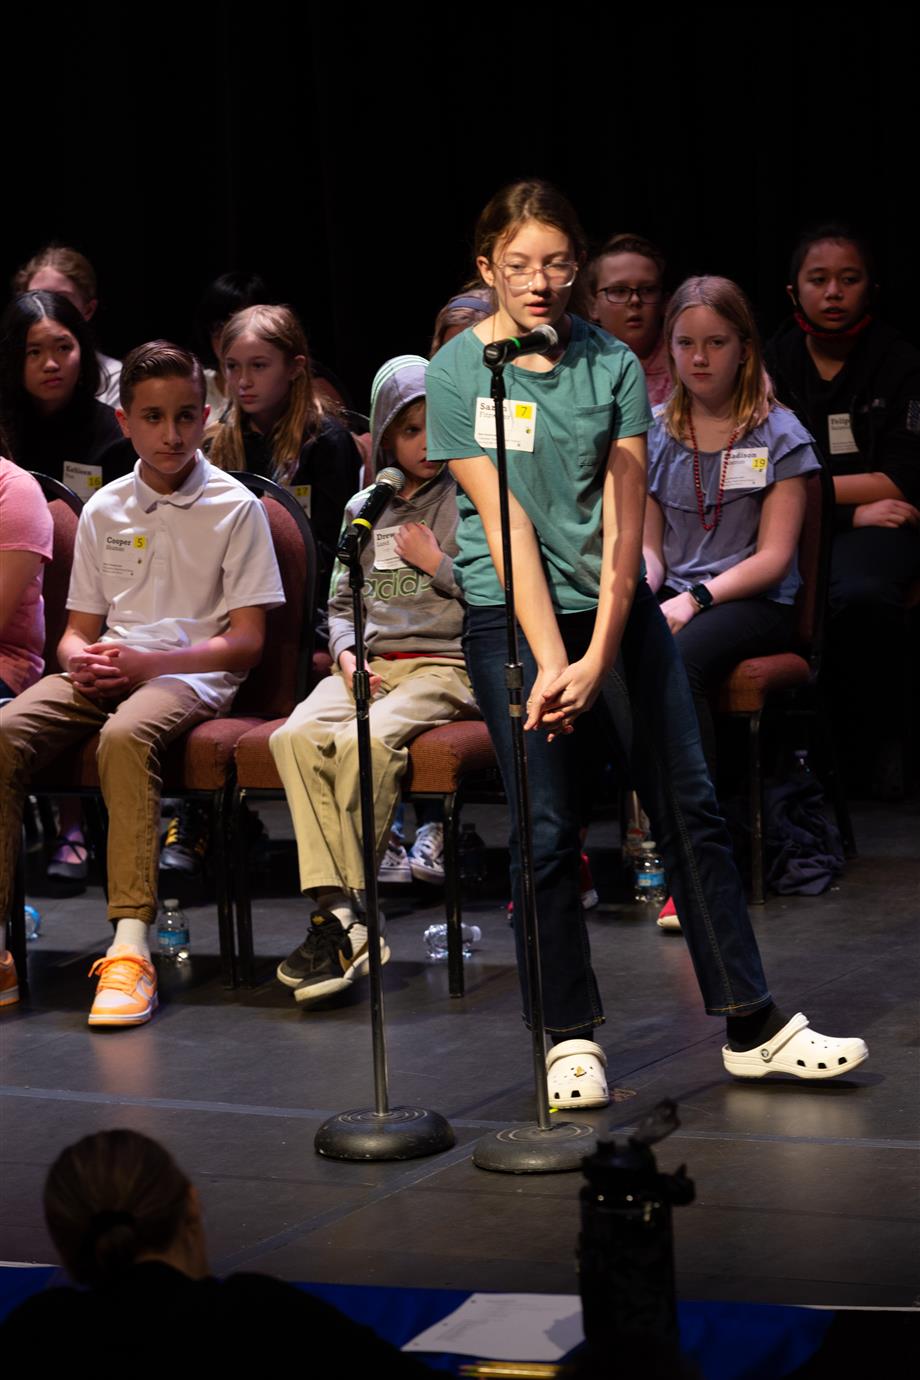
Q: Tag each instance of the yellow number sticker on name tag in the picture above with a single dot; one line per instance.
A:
(94, 481)
(759, 462)
(302, 494)
(140, 543)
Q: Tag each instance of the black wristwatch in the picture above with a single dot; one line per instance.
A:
(701, 597)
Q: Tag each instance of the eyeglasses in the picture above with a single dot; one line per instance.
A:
(556, 275)
(619, 292)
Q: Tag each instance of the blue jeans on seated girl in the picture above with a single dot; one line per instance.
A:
(646, 713)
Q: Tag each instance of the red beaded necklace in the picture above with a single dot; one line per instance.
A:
(698, 483)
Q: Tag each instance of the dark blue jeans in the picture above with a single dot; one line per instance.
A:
(646, 715)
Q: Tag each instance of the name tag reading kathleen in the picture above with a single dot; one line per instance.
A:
(85, 480)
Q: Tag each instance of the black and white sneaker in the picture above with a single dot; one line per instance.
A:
(185, 845)
(426, 856)
(329, 959)
(394, 865)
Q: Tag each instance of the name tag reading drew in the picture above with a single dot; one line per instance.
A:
(520, 424)
(840, 434)
(85, 480)
(302, 494)
(385, 553)
(746, 469)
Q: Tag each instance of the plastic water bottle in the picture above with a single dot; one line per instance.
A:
(638, 832)
(472, 853)
(651, 888)
(436, 941)
(172, 933)
(33, 923)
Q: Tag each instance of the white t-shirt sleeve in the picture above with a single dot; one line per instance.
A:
(250, 571)
(86, 593)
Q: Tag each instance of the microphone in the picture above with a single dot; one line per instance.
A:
(539, 341)
(354, 538)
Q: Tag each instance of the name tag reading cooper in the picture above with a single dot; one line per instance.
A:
(840, 434)
(301, 492)
(122, 556)
(520, 424)
(746, 469)
(386, 556)
(85, 480)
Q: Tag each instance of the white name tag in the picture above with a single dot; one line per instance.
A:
(83, 479)
(520, 424)
(123, 557)
(840, 434)
(301, 492)
(746, 469)
(386, 556)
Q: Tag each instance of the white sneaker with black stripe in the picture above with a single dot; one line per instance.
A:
(426, 856)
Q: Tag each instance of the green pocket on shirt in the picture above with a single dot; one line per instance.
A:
(592, 431)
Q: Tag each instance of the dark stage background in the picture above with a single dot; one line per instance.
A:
(346, 156)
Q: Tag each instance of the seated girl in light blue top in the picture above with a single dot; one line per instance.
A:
(726, 483)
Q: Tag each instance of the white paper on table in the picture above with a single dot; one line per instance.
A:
(507, 1327)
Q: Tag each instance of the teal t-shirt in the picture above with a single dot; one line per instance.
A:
(593, 396)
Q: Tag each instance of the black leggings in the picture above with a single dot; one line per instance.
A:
(717, 639)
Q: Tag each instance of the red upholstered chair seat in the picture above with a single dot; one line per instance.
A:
(745, 691)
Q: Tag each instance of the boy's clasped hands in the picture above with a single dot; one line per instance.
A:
(105, 670)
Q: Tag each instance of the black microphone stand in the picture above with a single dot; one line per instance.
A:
(549, 1146)
(382, 1132)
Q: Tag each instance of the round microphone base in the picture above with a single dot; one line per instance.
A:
(402, 1133)
(530, 1150)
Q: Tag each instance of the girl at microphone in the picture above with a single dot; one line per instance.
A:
(417, 677)
(593, 639)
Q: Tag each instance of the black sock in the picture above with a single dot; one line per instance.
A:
(746, 1032)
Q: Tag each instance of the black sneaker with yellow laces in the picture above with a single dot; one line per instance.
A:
(185, 845)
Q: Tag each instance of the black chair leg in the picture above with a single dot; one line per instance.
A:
(758, 895)
(96, 817)
(16, 926)
(832, 779)
(452, 895)
(239, 836)
(220, 813)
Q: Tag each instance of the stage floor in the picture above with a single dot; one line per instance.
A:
(805, 1193)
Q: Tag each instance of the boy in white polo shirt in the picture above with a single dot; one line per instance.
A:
(173, 571)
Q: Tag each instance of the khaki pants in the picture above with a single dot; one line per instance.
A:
(50, 716)
(316, 753)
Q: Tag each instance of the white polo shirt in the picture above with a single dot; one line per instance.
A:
(164, 570)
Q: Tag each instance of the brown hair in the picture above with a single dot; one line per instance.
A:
(626, 243)
(520, 202)
(110, 1198)
(753, 396)
(278, 326)
(454, 314)
(70, 262)
(158, 359)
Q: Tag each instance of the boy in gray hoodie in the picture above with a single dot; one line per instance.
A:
(418, 681)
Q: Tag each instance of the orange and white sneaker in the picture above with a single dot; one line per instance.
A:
(9, 982)
(127, 991)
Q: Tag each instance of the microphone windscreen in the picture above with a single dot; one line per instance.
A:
(391, 476)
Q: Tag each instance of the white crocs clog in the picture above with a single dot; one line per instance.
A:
(799, 1051)
(575, 1075)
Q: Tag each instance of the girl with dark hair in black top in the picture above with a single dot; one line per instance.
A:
(49, 413)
